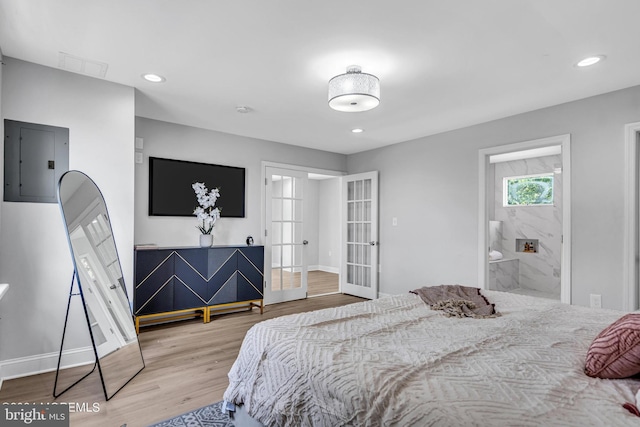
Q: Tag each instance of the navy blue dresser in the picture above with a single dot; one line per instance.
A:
(176, 283)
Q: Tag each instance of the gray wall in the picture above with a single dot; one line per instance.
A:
(168, 140)
(431, 185)
(34, 254)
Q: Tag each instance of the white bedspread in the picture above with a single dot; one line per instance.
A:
(393, 361)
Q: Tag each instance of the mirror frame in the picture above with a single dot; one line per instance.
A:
(76, 278)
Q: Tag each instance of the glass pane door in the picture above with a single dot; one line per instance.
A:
(285, 244)
(360, 193)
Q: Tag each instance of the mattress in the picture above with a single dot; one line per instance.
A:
(395, 362)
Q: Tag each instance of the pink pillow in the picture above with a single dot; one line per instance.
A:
(615, 352)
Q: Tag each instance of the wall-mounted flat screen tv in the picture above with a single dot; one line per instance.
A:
(171, 194)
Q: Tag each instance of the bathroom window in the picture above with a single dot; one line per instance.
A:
(528, 190)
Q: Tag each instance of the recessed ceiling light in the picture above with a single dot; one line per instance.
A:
(357, 130)
(153, 78)
(591, 60)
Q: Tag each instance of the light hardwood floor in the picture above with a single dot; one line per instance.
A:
(186, 368)
(318, 282)
(321, 282)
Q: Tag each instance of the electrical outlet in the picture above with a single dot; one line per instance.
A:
(595, 300)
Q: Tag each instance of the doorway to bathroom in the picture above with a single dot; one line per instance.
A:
(524, 228)
(631, 290)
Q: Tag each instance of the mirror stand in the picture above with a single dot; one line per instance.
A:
(57, 394)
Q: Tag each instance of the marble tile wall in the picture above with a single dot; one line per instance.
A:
(504, 275)
(538, 271)
(495, 236)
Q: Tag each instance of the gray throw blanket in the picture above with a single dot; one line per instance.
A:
(457, 301)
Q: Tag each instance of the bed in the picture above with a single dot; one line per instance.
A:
(394, 361)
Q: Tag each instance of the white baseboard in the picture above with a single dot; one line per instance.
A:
(325, 268)
(382, 294)
(32, 365)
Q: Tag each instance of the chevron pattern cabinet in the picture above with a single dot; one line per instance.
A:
(175, 283)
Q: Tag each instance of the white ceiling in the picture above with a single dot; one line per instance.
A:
(442, 64)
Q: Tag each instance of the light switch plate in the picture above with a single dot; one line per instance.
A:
(139, 143)
(595, 300)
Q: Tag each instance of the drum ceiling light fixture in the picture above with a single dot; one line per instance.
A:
(354, 91)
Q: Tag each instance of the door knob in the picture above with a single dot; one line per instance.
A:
(372, 243)
(305, 242)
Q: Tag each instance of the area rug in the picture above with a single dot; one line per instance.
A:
(209, 416)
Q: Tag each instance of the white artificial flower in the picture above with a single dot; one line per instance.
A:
(199, 188)
(206, 212)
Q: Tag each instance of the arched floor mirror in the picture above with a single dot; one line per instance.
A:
(101, 289)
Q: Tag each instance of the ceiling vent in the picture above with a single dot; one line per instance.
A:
(75, 64)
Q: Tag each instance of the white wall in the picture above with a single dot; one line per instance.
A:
(168, 140)
(430, 185)
(322, 224)
(329, 211)
(34, 254)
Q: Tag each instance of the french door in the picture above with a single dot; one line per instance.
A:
(359, 275)
(107, 335)
(285, 248)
